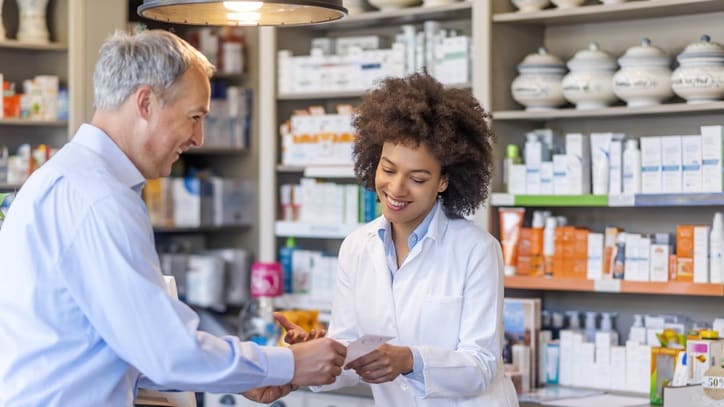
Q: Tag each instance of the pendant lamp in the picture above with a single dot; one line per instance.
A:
(243, 12)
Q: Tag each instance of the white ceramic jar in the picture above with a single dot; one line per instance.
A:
(589, 83)
(645, 76)
(526, 6)
(386, 5)
(563, 4)
(32, 26)
(538, 87)
(700, 75)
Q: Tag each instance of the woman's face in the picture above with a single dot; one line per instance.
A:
(407, 182)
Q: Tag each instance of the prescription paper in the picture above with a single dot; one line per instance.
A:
(364, 345)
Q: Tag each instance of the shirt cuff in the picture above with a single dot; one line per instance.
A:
(280, 365)
(418, 366)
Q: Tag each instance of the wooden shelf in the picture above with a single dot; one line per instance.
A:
(20, 45)
(320, 171)
(614, 286)
(614, 111)
(407, 15)
(10, 187)
(313, 231)
(607, 12)
(30, 122)
(216, 150)
(198, 229)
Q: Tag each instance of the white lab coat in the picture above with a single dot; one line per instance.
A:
(446, 300)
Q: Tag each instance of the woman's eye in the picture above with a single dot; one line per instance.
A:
(387, 171)
(418, 181)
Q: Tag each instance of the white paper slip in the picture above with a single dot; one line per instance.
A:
(363, 346)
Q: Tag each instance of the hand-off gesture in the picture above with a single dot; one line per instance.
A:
(317, 362)
(295, 333)
(383, 364)
(269, 394)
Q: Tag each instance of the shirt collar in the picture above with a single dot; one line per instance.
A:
(119, 164)
(419, 232)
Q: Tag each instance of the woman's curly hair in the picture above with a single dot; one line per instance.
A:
(418, 110)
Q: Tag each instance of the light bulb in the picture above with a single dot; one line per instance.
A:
(243, 6)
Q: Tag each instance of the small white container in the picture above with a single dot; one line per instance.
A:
(645, 76)
(612, 1)
(700, 75)
(538, 87)
(387, 5)
(526, 6)
(563, 4)
(589, 84)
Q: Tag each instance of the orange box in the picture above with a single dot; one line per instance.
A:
(536, 265)
(580, 247)
(580, 268)
(569, 237)
(684, 269)
(685, 241)
(672, 267)
(524, 243)
(536, 241)
(523, 268)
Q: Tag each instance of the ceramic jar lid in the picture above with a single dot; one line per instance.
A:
(704, 51)
(592, 59)
(542, 62)
(644, 55)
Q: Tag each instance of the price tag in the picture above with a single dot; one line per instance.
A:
(607, 286)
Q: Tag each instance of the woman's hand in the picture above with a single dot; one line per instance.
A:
(383, 364)
(269, 394)
(295, 333)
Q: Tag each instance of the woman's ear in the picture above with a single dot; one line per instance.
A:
(443, 184)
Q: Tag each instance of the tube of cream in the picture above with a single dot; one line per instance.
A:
(511, 220)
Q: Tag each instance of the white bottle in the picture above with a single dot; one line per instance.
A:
(600, 173)
(632, 168)
(549, 238)
(716, 246)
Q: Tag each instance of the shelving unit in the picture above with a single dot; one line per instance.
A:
(671, 25)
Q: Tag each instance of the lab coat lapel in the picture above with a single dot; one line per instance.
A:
(377, 313)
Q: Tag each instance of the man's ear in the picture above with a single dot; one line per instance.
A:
(143, 97)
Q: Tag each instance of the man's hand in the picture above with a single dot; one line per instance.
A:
(295, 333)
(269, 394)
(317, 362)
(383, 364)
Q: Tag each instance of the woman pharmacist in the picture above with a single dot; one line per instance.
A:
(421, 273)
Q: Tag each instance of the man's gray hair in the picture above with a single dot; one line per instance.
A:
(155, 58)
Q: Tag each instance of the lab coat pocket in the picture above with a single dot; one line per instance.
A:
(440, 321)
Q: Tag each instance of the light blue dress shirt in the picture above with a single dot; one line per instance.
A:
(391, 254)
(85, 317)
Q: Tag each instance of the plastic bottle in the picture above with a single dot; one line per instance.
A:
(536, 244)
(574, 323)
(590, 326)
(512, 156)
(631, 167)
(549, 238)
(619, 260)
(716, 245)
(285, 258)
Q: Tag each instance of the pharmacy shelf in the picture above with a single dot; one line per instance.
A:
(607, 12)
(637, 200)
(348, 94)
(20, 45)
(216, 150)
(614, 286)
(198, 229)
(30, 122)
(319, 171)
(313, 231)
(667, 109)
(500, 199)
(10, 187)
(409, 15)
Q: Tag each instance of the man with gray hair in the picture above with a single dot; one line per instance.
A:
(85, 316)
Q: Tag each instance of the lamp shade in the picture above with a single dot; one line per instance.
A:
(243, 12)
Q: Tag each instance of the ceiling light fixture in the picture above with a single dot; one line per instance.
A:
(243, 12)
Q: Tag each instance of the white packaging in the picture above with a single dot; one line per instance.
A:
(600, 162)
(516, 182)
(716, 247)
(651, 165)
(644, 260)
(711, 158)
(631, 256)
(594, 270)
(631, 168)
(533, 151)
(615, 164)
(659, 263)
(638, 367)
(546, 178)
(560, 177)
(233, 201)
(701, 254)
(618, 368)
(351, 204)
(671, 164)
(602, 368)
(691, 164)
(578, 168)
